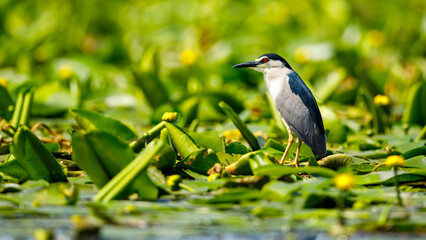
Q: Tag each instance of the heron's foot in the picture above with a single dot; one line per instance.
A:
(294, 163)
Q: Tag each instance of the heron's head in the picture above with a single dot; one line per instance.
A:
(265, 62)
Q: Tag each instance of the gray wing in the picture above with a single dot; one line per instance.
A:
(300, 110)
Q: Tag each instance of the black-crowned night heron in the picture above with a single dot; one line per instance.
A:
(294, 102)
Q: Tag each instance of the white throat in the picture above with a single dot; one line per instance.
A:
(276, 79)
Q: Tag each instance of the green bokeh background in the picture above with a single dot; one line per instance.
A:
(343, 49)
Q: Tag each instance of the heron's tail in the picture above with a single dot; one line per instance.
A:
(318, 146)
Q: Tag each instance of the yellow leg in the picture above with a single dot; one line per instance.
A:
(296, 159)
(290, 141)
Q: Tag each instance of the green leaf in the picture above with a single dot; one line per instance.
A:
(103, 156)
(90, 121)
(271, 143)
(247, 134)
(250, 162)
(331, 83)
(388, 177)
(33, 156)
(233, 195)
(181, 139)
(414, 152)
(207, 141)
(416, 162)
(133, 170)
(337, 132)
(14, 169)
(281, 191)
(6, 104)
(86, 158)
(195, 175)
(199, 161)
(236, 148)
(415, 112)
(227, 159)
(154, 90)
(336, 161)
(276, 170)
(201, 186)
(165, 158)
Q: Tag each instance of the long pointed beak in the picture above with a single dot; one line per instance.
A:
(246, 64)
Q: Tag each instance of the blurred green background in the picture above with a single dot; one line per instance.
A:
(137, 59)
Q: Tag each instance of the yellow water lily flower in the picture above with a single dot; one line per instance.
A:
(65, 71)
(344, 181)
(395, 161)
(381, 100)
(188, 57)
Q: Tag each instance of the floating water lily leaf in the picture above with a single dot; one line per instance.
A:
(57, 194)
(405, 147)
(249, 162)
(281, 191)
(201, 186)
(414, 152)
(388, 177)
(336, 161)
(375, 154)
(233, 195)
(416, 162)
(33, 156)
(89, 121)
(277, 170)
(199, 161)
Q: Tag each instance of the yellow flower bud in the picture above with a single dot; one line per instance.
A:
(65, 71)
(43, 234)
(173, 182)
(344, 181)
(395, 161)
(233, 134)
(301, 55)
(3, 81)
(130, 208)
(213, 177)
(188, 57)
(381, 100)
(375, 38)
(169, 116)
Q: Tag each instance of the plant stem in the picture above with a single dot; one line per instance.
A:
(422, 134)
(341, 205)
(398, 194)
(247, 134)
(141, 142)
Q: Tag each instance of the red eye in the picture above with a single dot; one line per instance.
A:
(265, 60)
